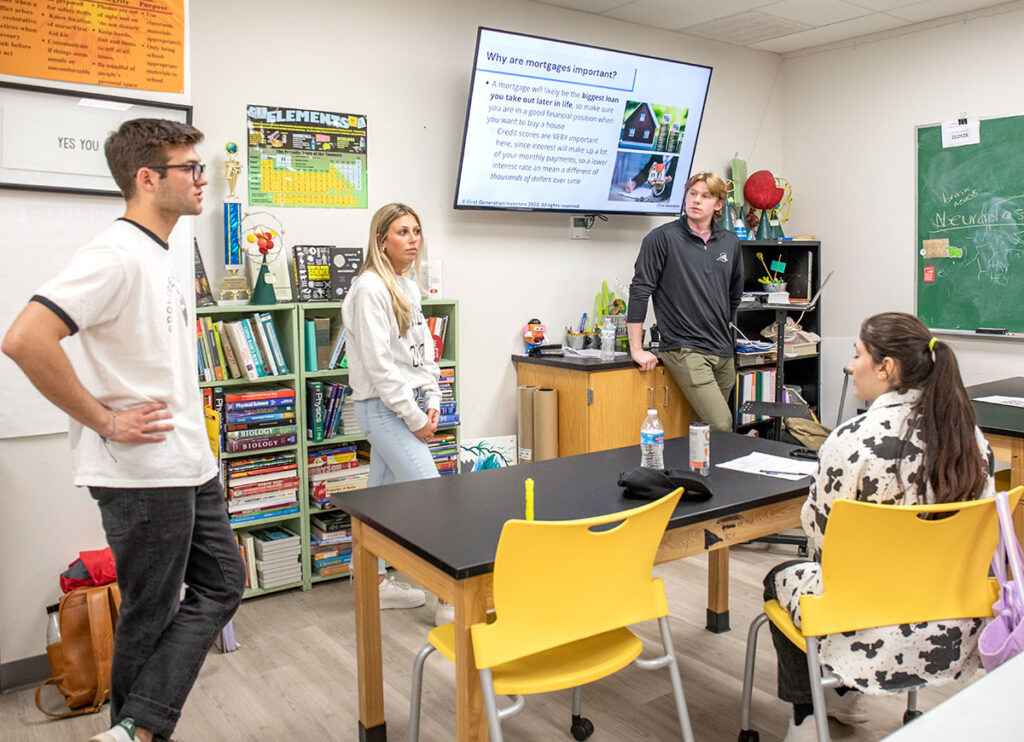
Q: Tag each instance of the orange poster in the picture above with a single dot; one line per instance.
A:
(133, 44)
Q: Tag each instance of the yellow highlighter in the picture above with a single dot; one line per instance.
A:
(529, 499)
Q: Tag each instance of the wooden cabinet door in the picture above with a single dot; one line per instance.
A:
(673, 408)
(618, 409)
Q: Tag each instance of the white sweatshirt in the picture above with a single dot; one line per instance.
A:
(381, 363)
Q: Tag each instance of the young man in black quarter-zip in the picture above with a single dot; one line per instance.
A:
(692, 270)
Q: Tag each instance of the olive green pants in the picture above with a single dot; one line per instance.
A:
(706, 380)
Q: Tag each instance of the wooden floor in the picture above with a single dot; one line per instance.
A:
(294, 676)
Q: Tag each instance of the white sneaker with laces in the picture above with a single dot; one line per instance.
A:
(400, 595)
(849, 708)
(443, 613)
(802, 732)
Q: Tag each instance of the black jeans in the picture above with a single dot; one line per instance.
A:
(794, 683)
(162, 538)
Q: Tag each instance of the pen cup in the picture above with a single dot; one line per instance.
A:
(574, 340)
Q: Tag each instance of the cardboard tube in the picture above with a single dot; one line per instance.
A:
(526, 422)
(545, 424)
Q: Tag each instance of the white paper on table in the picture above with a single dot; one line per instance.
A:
(1000, 399)
(781, 467)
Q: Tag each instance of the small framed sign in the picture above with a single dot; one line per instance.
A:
(52, 139)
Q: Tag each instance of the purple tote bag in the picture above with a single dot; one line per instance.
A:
(1003, 638)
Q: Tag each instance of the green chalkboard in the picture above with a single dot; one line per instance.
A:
(970, 229)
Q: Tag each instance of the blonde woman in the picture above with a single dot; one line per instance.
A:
(391, 364)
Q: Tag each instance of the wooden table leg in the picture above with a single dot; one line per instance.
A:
(470, 608)
(718, 590)
(368, 648)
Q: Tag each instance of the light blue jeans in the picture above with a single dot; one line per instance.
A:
(396, 455)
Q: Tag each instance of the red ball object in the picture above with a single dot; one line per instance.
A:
(761, 192)
(262, 243)
(270, 244)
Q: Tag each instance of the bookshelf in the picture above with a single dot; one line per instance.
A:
(289, 323)
(802, 276)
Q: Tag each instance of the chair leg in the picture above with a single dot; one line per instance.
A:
(748, 670)
(677, 682)
(491, 705)
(912, 711)
(581, 728)
(817, 690)
(416, 692)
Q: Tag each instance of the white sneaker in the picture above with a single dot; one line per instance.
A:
(400, 595)
(123, 731)
(849, 708)
(443, 613)
(802, 732)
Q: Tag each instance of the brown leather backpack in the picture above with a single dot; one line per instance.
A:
(80, 661)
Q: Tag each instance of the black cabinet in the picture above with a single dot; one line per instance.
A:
(790, 365)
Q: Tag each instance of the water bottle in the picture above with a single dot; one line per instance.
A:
(607, 339)
(700, 448)
(52, 624)
(652, 442)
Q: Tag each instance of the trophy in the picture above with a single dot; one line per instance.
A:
(234, 289)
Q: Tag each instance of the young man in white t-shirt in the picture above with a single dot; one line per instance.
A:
(137, 434)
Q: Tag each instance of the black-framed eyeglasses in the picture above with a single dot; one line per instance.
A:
(197, 169)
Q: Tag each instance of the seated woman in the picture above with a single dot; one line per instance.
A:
(916, 444)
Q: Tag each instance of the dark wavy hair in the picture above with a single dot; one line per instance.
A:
(144, 143)
(953, 465)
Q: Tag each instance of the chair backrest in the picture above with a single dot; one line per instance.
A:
(883, 565)
(560, 581)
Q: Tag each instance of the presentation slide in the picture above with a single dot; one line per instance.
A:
(556, 126)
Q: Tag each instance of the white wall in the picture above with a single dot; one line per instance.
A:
(406, 66)
(848, 148)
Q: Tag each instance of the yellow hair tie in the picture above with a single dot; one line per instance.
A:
(931, 344)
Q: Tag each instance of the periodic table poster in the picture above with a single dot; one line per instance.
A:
(307, 158)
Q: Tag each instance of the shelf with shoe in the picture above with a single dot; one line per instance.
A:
(252, 350)
(764, 376)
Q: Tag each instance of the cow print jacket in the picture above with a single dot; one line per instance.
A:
(860, 460)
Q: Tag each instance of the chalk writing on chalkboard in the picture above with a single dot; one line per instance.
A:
(970, 229)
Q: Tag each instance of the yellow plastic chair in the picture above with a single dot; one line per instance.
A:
(911, 570)
(564, 593)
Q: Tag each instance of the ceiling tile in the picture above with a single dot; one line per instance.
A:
(815, 12)
(676, 14)
(862, 26)
(931, 9)
(588, 6)
(745, 29)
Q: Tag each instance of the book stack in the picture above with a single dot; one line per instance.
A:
(449, 407)
(754, 386)
(325, 466)
(278, 556)
(261, 487)
(349, 426)
(324, 409)
(445, 452)
(247, 348)
(258, 418)
(324, 343)
(332, 483)
(330, 543)
(438, 326)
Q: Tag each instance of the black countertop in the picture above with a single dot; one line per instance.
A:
(454, 522)
(576, 363)
(999, 419)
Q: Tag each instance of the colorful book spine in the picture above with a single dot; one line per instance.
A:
(254, 404)
(260, 332)
(237, 435)
(269, 393)
(273, 342)
(309, 334)
(256, 444)
(237, 336)
(254, 348)
(315, 411)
